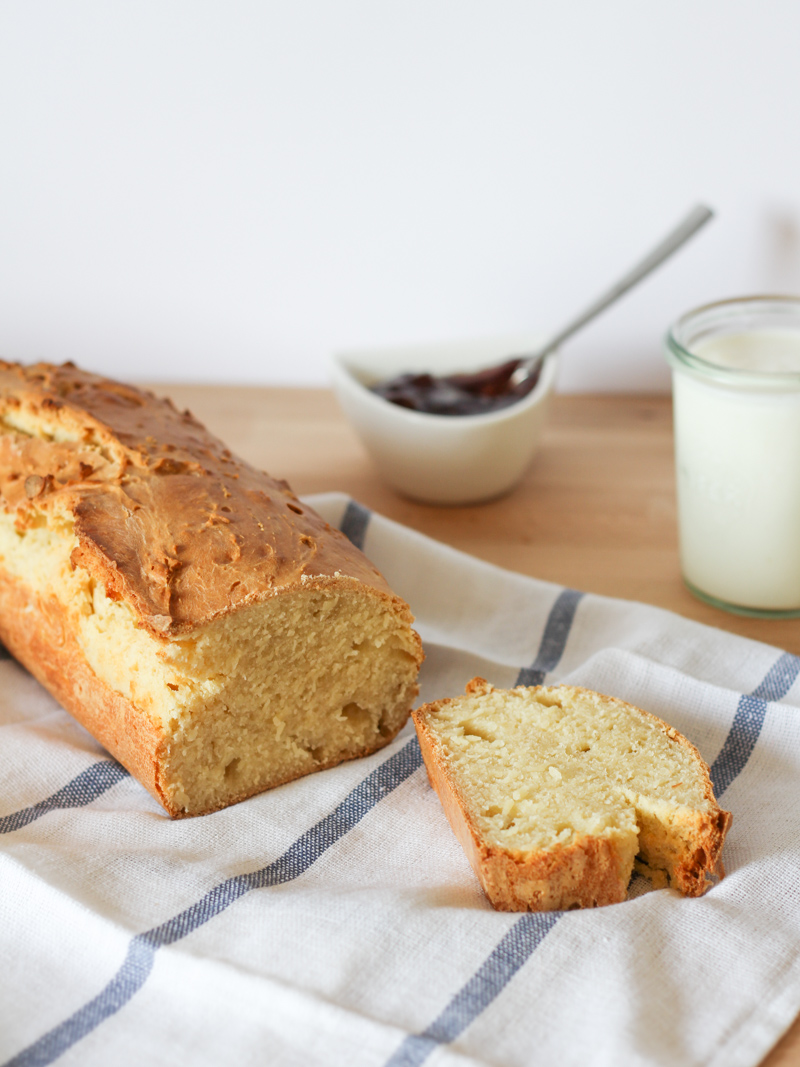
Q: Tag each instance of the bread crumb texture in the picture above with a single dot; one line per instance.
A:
(217, 636)
(555, 793)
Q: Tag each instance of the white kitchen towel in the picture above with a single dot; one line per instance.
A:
(336, 921)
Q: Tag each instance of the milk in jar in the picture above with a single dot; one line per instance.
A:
(736, 389)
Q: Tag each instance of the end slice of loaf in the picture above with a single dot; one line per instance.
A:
(555, 791)
(214, 634)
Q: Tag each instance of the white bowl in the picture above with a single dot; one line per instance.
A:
(444, 459)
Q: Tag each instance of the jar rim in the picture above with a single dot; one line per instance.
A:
(723, 316)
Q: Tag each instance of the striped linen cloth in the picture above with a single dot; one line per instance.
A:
(335, 920)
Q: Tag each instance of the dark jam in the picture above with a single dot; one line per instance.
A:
(457, 394)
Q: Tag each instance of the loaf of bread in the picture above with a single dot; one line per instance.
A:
(213, 633)
(555, 792)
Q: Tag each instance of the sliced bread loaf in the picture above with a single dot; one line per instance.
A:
(214, 634)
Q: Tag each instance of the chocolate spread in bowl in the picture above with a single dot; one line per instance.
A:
(457, 394)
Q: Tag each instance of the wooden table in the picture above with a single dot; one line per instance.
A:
(596, 510)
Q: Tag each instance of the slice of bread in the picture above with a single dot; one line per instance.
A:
(554, 792)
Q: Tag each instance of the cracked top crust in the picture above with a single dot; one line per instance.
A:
(165, 516)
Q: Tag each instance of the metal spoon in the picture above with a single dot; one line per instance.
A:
(696, 218)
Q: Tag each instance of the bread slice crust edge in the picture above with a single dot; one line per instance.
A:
(588, 872)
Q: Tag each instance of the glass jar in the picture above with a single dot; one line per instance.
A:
(736, 390)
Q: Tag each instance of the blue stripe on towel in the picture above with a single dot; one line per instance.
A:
(489, 980)
(138, 962)
(554, 639)
(355, 522)
(749, 719)
(82, 790)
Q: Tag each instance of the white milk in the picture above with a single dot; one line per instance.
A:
(738, 470)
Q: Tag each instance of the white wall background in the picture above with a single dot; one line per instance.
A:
(227, 190)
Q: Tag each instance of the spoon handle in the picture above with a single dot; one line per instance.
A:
(696, 218)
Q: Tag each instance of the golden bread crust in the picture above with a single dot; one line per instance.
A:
(166, 517)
